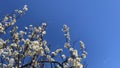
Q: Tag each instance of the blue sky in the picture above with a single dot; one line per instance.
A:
(96, 22)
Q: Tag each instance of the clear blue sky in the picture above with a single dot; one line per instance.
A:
(96, 22)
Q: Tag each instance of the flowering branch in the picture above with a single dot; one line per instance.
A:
(30, 43)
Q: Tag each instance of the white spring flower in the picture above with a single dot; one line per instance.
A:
(27, 41)
(75, 53)
(14, 45)
(5, 18)
(26, 28)
(58, 66)
(70, 60)
(48, 57)
(15, 53)
(4, 65)
(20, 11)
(47, 49)
(13, 22)
(1, 42)
(85, 52)
(1, 51)
(82, 45)
(67, 35)
(65, 28)
(78, 59)
(42, 53)
(44, 32)
(52, 59)
(67, 45)
(59, 50)
(1, 28)
(5, 53)
(63, 56)
(25, 8)
(36, 43)
(22, 32)
(71, 49)
(54, 54)
(40, 28)
(44, 43)
(11, 61)
(83, 55)
(79, 65)
(44, 24)
(65, 65)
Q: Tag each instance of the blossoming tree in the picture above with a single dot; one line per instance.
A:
(29, 43)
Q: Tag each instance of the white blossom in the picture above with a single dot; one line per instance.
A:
(5, 18)
(25, 8)
(63, 56)
(54, 54)
(14, 45)
(58, 50)
(82, 45)
(44, 32)
(75, 53)
(67, 45)
(47, 49)
(44, 24)
(11, 61)
(1, 28)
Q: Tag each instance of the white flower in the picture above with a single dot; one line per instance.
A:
(44, 43)
(58, 66)
(15, 53)
(13, 21)
(82, 45)
(83, 55)
(20, 11)
(25, 8)
(67, 45)
(5, 53)
(65, 65)
(78, 59)
(44, 32)
(65, 28)
(79, 65)
(4, 65)
(71, 49)
(85, 52)
(54, 54)
(1, 51)
(14, 45)
(27, 41)
(1, 42)
(75, 53)
(22, 32)
(44, 24)
(59, 50)
(48, 57)
(11, 61)
(26, 28)
(47, 49)
(70, 60)
(1, 28)
(5, 18)
(63, 56)
(36, 43)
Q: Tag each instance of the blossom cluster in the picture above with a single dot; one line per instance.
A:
(30, 43)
